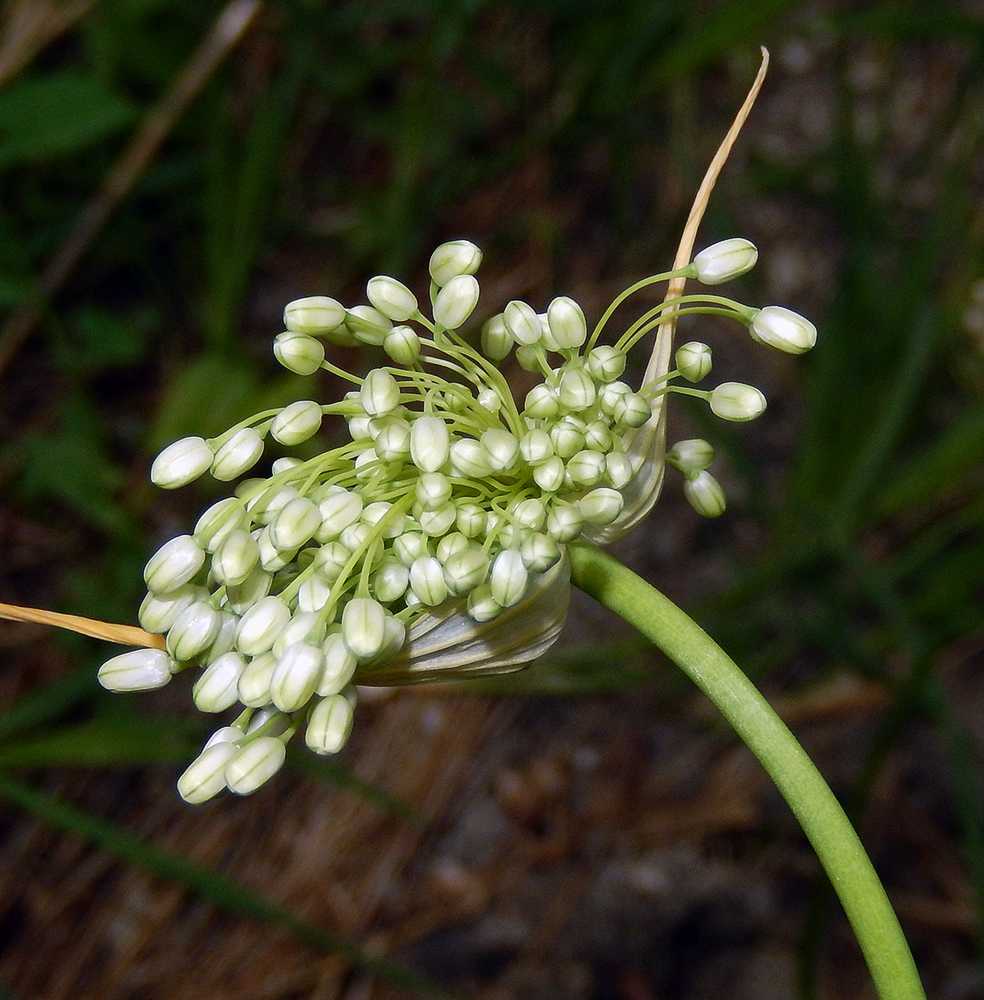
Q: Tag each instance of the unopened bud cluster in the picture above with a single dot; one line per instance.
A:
(449, 499)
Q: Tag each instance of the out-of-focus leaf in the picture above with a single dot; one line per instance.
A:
(44, 117)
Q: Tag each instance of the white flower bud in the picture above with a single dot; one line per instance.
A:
(242, 596)
(490, 400)
(535, 446)
(539, 552)
(530, 513)
(783, 329)
(438, 521)
(284, 464)
(298, 352)
(605, 363)
(137, 670)
(465, 569)
(241, 452)
(339, 666)
(403, 345)
(218, 521)
(528, 358)
(542, 402)
(268, 722)
(453, 542)
(305, 627)
(395, 637)
(261, 624)
(725, 260)
(704, 494)
(564, 521)
(508, 578)
(632, 410)
(265, 506)
(173, 564)
(330, 560)
(618, 468)
(497, 341)
(549, 475)
(235, 558)
(567, 324)
(737, 401)
(313, 594)
(611, 394)
(482, 606)
(432, 490)
(693, 361)
(218, 687)
(338, 511)
(367, 325)
(225, 637)
(598, 436)
(296, 524)
(429, 443)
(427, 580)
(224, 734)
(313, 315)
(255, 764)
(523, 323)
(391, 297)
(469, 519)
(364, 627)
(193, 631)
(180, 463)
(157, 613)
(390, 580)
(567, 439)
(253, 685)
(587, 468)
(393, 442)
(380, 509)
(469, 459)
(501, 447)
(411, 545)
(297, 422)
(355, 535)
(454, 258)
(379, 393)
(456, 301)
(296, 676)
(601, 506)
(329, 725)
(272, 558)
(692, 455)
(204, 777)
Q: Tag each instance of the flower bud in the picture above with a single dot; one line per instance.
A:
(470, 519)
(261, 624)
(432, 490)
(204, 777)
(576, 390)
(242, 596)
(313, 315)
(465, 569)
(329, 725)
(313, 594)
(522, 323)
(601, 506)
(618, 468)
(241, 452)
(429, 443)
(482, 606)
(368, 325)
(339, 665)
(610, 394)
(253, 685)
(411, 545)
(632, 410)
(783, 329)
(704, 494)
(224, 734)
(391, 297)
(255, 764)
(508, 578)
(216, 522)
(295, 524)
(235, 557)
(737, 401)
(137, 670)
(299, 353)
(530, 513)
(605, 363)
(469, 459)
(379, 393)
(454, 258)
(693, 361)
(305, 627)
(427, 580)
(541, 403)
(225, 637)
(549, 475)
(528, 358)
(564, 521)
(497, 341)
(330, 560)
(338, 511)
(539, 552)
(587, 468)
(180, 463)
(218, 687)
(364, 627)
(403, 345)
(173, 564)
(390, 580)
(501, 447)
(296, 422)
(456, 301)
(535, 446)
(690, 456)
(296, 676)
(158, 612)
(725, 260)
(567, 324)
(393, 442)
(567, 439)
(193, 631)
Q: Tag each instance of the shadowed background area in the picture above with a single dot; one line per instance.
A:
(172, 173)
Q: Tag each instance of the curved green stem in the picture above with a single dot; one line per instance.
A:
(811, 800)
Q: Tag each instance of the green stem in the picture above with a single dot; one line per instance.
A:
(811, 800)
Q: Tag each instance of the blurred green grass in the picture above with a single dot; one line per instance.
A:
(341, 140)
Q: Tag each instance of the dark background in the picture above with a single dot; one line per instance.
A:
(590, 829)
